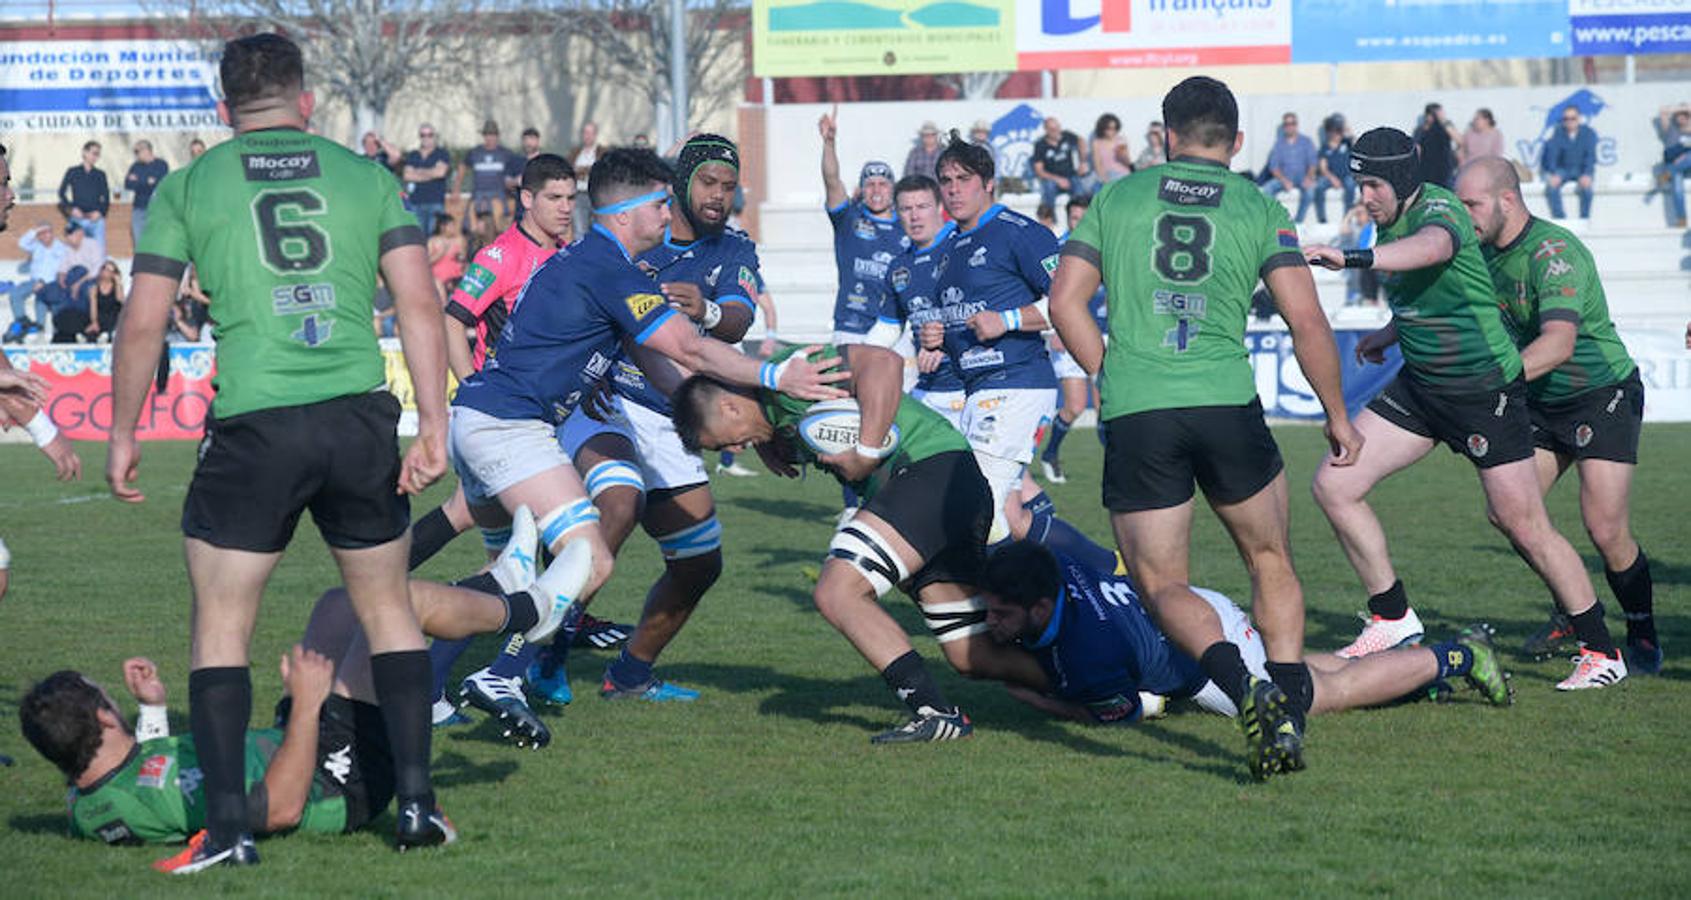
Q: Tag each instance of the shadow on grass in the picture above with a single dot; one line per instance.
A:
(783, 508)
(40, 823)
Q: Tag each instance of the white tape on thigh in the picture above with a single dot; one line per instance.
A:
(613, 473)
(956, 620)
(870, 554)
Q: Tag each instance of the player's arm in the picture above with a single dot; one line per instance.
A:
(141, 677)
(771, 326)
(1553, 346)
(308, 675)
(834, 190)
(735, 297)
(481, 286)
(1293, 289)
(676, 338)
(135, 358)
(878, 387)
(1062, 709)
(1077, 280)
(1432, 244)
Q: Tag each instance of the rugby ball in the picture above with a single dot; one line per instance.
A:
(831, 426)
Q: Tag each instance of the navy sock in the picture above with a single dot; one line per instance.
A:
(1040, 503)
(1591, 632)
(219, 707)
(1061, 537)
(1223, 665)
(1059, 430)
(401, 692)
(1391, 603)
(1455, 659)
(514, 657)
(1635, 591)
(429, 535)
(628, 670)
(849, 497)
(910, 680)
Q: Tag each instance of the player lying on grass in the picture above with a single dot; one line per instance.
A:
(325, 768)
(924, 519)
(1100, 649)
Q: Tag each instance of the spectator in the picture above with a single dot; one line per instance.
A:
(981, 133)
(643, 141)
(46, 254)
(1482, 137)
(1436, 139)
(1059, 163)
(190, 313)
(582, 156)
(94, 313)
(1155, 152)
(485, 167)
(84, 196)
(1358, 232)
(446, 256)
(1673, 126)
(1047, 216)
(922, 157)
(1110, 157)
(380, 150)
(196, 147)
(145, 173)
(76, 271)
(425, 176)
(1569, 155)
(1333, 167)
(1292, 165)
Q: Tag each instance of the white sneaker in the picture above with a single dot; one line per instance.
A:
(736, 470)
(1593, 670)
(515, 567)
(557, 589)
(1384, 634)
(1053, 471)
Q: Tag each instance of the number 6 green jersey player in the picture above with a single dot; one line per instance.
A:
(1584, 395)
(1461, 386)
(287, 233)
(1180, 248)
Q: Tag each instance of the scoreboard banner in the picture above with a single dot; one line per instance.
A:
(881, 37)
(106, 85)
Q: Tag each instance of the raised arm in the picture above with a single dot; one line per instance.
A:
(834, 190)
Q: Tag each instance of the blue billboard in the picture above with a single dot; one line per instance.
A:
(1334, 31)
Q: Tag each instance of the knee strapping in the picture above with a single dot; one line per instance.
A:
(692, 541)
(560, 521)
(870, 554)
(956, 620)
(613, 473)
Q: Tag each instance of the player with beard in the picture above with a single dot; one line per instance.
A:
(1461, 385)
(1583, 389)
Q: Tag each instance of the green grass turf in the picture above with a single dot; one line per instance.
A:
(768, 786)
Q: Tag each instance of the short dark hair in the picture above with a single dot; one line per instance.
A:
(91, 145)
(690, 404)
(1202, 110)
(910, 184)
(1486, 115)
(1107, 120)
(531, 131)
(622, 168)
(543, 168)
(1021, 573)
(1078, 201)
(58, 719)
(971, 156)
(260, 67)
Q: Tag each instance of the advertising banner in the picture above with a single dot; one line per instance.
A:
(80, 399)
(1099, 34)
(117, 85)
(1285, 392)
(881, 37)
(1327, 31)
(1620, 27)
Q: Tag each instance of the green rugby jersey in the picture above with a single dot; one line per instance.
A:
(1449, 328)
(922, 433)
(1181, 247)
(1545, 275)
(157, 795)
(285, 230)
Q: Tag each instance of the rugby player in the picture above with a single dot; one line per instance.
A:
(991, 283)
(1179, 401)
(1074, 386)
(866, 237)
(909, 295)
(326, 767)
(287, 231)
(1461, 385)
(580, 309)
(1584, 394)
(709, 273)
(1100, 648)
(921, 527)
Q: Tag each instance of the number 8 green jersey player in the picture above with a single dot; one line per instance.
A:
(287, 232)
(1460, 386)
(1180, 248)
(1584, 395)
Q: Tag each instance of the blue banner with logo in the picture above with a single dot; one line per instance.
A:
(1285, 392)
(1619, 27)
(1377, 30)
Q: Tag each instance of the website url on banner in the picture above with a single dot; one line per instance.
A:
(1632, 35)
(1434, 40)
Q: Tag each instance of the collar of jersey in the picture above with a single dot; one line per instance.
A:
(613, 239)
(884, 220)
(1051, 627)
(134, 751)
(1531, 221)
(669, 241)
(990, 214)
(939, 237)
(517, 226)
(1199, 161)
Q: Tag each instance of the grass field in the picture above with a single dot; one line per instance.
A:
(768, 786)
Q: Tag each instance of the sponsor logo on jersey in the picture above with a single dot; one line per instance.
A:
(1549, 248)
(339, 764)
(596, 367)
(116, 833)
(154, 773)
(715, 273)
(980, 358)
(874, 267)
(476, 280)
(1287, 238)
(977, 258)
(295, 299)
(496, 253)
(314, 330)
(189, 783)
(900, 278)
(1559, 267)
(1181, 192)
(280, 166)
(1113, 709)
(642, 304)
(1478, 446)
(1049, 264)
(865, 229)
(1175, 303)
(747, 281)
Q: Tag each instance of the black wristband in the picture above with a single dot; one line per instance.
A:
(1359, 259)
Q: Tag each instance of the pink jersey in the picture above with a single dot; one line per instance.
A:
(490, 286)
